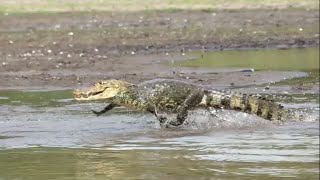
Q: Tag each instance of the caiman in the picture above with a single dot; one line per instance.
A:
(173, 96)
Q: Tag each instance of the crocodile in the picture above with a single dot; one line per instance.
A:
(173, 96)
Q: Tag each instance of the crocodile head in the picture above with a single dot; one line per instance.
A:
(102, 90)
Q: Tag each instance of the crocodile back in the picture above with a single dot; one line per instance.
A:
(164, 94)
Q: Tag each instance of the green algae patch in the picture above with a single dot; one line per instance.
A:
(297, 59)
(35, 98)
(27, 6)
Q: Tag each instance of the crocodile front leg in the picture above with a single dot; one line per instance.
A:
(106, 109)
(191, 101)
(162, 119)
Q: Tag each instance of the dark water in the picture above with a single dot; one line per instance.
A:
(47, 135)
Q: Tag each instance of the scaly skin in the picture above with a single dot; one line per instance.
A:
(172, 96)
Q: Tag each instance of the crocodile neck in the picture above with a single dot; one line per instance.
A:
(130, 99)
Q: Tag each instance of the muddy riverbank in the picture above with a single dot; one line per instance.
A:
(65, 50)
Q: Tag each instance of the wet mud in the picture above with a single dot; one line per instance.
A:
(65, 50)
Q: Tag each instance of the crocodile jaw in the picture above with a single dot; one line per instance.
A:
(82, 95)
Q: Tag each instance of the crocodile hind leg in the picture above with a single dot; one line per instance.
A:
(106, 109)
(191, 101)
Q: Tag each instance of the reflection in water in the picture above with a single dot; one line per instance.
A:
(63, 144)
(66, 142)
(286, 151)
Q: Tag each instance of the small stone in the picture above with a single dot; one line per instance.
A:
(282, 46)
(57, 26)
(247, 70)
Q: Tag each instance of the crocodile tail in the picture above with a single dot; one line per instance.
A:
(251, 104)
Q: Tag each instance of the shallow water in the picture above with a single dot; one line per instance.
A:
(54, 137)
(47, 135)
(303, 59)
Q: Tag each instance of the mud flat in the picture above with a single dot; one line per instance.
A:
(64, 50)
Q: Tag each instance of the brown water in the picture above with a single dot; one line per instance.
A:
(47, 135)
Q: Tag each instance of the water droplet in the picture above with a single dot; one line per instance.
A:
(57, 26)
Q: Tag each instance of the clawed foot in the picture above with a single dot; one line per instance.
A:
(97, 113)
(162, 119)
(164, 122)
